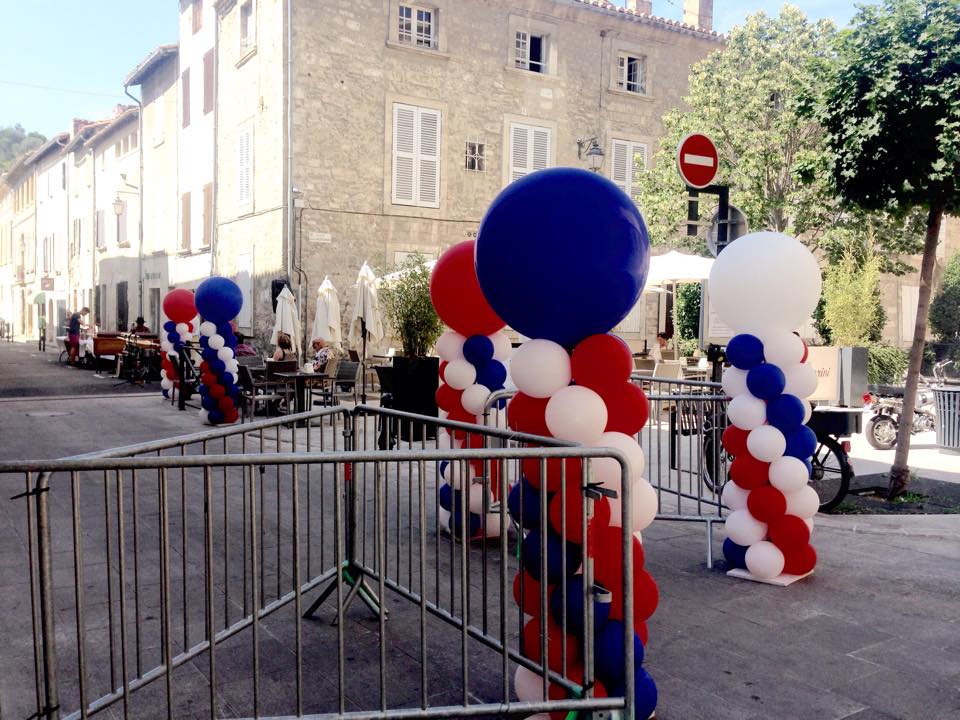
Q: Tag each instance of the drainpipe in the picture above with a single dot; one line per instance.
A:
(140, 218)
(97, 300)
(216, 112)
(290, 209)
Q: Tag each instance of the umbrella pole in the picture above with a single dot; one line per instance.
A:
(363, 361)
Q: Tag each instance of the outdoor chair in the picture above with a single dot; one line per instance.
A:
(322, 395)
(344, 380)
(254, 392)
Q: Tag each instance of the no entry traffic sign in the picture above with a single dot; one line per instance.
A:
(697, 160)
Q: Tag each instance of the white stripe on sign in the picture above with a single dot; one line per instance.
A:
(698, 160)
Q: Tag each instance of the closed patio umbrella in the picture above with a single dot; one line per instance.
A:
(365, 321)
(287, 319)
(326, 321)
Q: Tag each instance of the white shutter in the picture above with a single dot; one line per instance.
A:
(244, 166)
(621, 72)
(428, 176)
(404, 153)
(541, 148)
(620, 171)
(519, 151)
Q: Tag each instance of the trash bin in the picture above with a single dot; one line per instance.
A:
(947, 401)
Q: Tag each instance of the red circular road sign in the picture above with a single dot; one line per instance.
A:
(697, 160)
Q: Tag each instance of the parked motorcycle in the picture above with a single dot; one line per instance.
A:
(886, 403)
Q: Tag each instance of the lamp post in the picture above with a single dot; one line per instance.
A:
(594, 153)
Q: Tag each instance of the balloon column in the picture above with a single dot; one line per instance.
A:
(565, 278)
(218, 300)
(764, 286)
(473, 355)
(179, 307)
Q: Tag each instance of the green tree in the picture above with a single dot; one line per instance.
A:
(688, 310)
(891, 112)
(408, 308)
(851, 300)
(14, 141)
(945, 308)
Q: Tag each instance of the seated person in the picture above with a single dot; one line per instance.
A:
(243, 349)
(284, 349)
(657, 352)
(140, 327)
(323, 354)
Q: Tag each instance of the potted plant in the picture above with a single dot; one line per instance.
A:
(414, 322)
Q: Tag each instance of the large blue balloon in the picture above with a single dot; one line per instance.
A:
(610, 652)
(218, 299)
(745, 351)
(765, 381)
(562, 254)
(555, 566)
(527, 513)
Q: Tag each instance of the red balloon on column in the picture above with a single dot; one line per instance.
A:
(456, 295)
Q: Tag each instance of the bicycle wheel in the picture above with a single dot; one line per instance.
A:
(64, 358)
(831, 473)
(715, 466)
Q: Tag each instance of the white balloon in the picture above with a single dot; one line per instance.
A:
(183, 328)
(502, 347)
(782, 348)
(540, 368)
(528, 685)
(443, 439)
(734, 381)
(225, 354)
(644, 505)
(734, 496)
(204, 416)
(804, 503)
(763, 282)
(450, 346)
(492, 525)
(166, 384)
(766, 443)
(459, 374)
(454, 472)
(744, 529)
(764, 560)
(185, 337)
(443, 516)
(801, 380)
(475, 499)
(207, 328)
(577, 414)
(788, 474)
(442, 414)
(606, 471)
(809, 522)
(807, 411)
(232, 366)
(747, 412)
(474, 398)
(215, 341)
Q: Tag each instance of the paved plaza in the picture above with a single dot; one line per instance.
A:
(873, 634)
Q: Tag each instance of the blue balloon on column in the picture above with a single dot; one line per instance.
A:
(785, 412)
(217, 366)
(744, 351)
(552, 270)
(556, 570)
(806, 461)
(736, 555)
(456, 525)
(478, 349)
(215, 417)
(218, 299)
(447, 497)
(644, 694)
(170, 326)
(525, 512)
(765, 381)
(801, 443)
(609, 653)
(574, 606)
(492, 374)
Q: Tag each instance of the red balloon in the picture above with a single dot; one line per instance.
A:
(800, 561)
(556, 640)
(572, 507)
(641, 629)
(204, 366)
(557, 470)
(558, 692)
(748, 472)
(788, 532)
(806, 351)
(456, 294)
(528, 414)
(607, 555)
(531, 593)
(766, 503)
(179, 305)
(627, 408)
(231, 415)
(443, 366)
(225, 403)
(217, 390)
(734, 440)
(601, 360)
(448, 398)
(208, 379)
(460, 415)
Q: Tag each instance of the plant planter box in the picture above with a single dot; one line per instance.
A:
(415, 382)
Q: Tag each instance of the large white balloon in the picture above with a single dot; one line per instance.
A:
(643, 506)
(782, 348)
(804, 503)
(766, 443)
(460, 374)
(450, 346)
(744, 529)
(540, 367)
(734, 381)
(801, 380)
(788, 474)
(764, 560)
(502, 348)
(734, 496)
(474, 398)
(577, 414)
(606, 471)
(215, 341)
(763, 282)
(747, 412)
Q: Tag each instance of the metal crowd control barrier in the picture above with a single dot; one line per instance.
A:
(170, 579)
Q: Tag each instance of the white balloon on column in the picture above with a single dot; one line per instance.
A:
(540, 368)
(460, 374)
(734, 496)
(788, 474)
(782, 348)
(744, 529)
(801, 380)
(644, 505)
(734, 381)
(766, 443)
(450, 346)
(764, 560)
(502, 348)
(577, 414)
(747, 412)
(474, 398)
(804, 503)
(225, 354)
(216, 341)
(607, 471)
(207, 328)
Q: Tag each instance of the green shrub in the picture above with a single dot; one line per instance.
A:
(945, 308)
(688, 310)
(688, 346)
(851, 300)
(886, 365)
(408, 308)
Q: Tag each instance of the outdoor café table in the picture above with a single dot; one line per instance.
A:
(300, 380)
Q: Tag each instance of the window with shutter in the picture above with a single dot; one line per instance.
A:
(530, 149)
(628, 161)
(245, 167)
(207, 213)
(416, 156)
(185, 89)
(208, 70)
(185, 222)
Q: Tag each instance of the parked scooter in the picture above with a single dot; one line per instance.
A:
(886, 403)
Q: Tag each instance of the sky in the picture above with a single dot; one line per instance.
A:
(79, 52)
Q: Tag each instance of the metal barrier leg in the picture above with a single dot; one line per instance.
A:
(45, 585)
(709, 544)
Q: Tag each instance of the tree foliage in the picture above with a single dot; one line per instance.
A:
(945, 308)
(14, 141)
(688, 310)
(851, 307)
(409, 310)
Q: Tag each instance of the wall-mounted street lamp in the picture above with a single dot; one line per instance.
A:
(593, 153)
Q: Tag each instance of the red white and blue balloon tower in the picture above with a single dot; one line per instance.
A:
(765, 286)
(219, 301)
(562, 256)
(179, 307)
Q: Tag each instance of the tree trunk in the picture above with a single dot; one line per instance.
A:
(900, 472)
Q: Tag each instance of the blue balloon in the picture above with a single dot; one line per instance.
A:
(456, 525)
(526, 515)
(736, 555)
(478, 350)
(609, 653)
(166, 393)
(204, 342)
(215, 416)
(809, 464)
(170, 326)
(208, 403)
(601, 608)
(801, 443)
(173, 337)
(224, 329)
(492, 375)
(218, 299)
(230, 341)
(217, 365)
(562, 254)
(645, 692)
(744, 351)
(765, 381)
(447, 496)
(204, 390)
(530, 551)
(785, 413)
